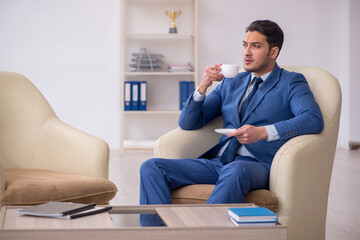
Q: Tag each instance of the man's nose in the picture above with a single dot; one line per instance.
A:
(247, 51)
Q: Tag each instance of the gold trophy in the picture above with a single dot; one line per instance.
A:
(173, 15)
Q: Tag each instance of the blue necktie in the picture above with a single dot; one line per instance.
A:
(230, 151)
(248, 99)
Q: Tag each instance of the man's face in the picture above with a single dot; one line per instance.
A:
(257, 57)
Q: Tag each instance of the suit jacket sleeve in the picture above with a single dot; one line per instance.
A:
(307, 117)
(195, 115)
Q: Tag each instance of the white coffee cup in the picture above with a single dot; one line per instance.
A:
(229, 70)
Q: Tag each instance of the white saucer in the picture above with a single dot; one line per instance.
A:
(225, 131)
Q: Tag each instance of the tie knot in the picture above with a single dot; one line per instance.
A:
(257, 81)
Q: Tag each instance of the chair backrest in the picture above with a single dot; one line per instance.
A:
(301, 170)
(23, 110)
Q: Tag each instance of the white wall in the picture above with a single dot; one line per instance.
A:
(354, 70)
(70, 50)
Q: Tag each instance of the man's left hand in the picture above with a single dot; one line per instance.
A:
(249, 134)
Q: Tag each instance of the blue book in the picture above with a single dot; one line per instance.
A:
(143, 96)
(184, 86)
(134, 96)
(127, 95)
(255, 214)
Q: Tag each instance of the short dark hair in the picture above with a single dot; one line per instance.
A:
(272, 31)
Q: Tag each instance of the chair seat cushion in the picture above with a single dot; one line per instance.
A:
(34, 186)
(199, 193)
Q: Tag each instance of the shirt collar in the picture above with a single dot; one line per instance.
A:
(263, 77)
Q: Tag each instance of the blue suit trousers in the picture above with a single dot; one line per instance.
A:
(232, 181)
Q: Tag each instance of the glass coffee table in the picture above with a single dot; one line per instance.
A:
(122, 222)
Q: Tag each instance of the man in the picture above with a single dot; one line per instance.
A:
(266, 104)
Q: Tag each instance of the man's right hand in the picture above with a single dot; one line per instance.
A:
(211, 74)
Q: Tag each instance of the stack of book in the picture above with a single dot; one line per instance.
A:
(135, 95)
(64, 210)
(252, 216)
(180, 68)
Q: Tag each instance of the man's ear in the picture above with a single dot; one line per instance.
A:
(274, 52)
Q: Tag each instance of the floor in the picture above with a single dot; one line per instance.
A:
(343, 219)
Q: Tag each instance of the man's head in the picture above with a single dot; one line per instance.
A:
(272, 31)
(262, 44)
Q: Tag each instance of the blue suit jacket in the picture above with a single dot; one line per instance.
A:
(284, 99)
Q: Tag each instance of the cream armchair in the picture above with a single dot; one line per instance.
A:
(42, 158)
(301, 170)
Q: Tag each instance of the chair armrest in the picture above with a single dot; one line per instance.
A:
(300, 178)
(301, 171)
(179, 143)
(65, 149)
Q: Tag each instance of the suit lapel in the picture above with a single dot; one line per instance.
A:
(270, 82)
(239, 91)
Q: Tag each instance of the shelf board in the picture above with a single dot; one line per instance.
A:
(159, 73)
(159, 35)
(152, 112)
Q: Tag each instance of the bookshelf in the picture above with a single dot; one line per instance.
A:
(144, 24)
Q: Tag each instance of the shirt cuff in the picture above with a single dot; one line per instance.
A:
(272, 133)
(197, 96)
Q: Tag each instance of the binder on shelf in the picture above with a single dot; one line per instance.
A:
(186, 88)
(134, 96)
(143, 95)
(191, 87)
(183, 93)
(127, 95)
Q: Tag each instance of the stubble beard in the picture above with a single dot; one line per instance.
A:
(256, 69)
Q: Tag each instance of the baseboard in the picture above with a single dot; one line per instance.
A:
(354, 145)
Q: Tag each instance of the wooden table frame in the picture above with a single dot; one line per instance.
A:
(169, 233)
